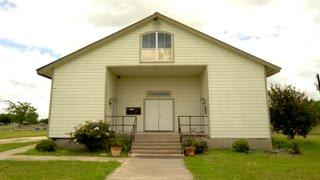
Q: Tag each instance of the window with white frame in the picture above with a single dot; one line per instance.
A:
(156, 46)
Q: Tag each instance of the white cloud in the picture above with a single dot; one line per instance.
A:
(19, 81)
(284, 33)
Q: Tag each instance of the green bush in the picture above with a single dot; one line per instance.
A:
(44, 121)
(123, 140)
(281, 143)
(47, 145)
(94, 134)
(189, 142)
(295, 148)
(200, 145)
(5, 118)
(241, 146)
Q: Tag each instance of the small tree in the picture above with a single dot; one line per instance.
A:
(22, 112)
(292, 113)
(5, 118)
(44, 121)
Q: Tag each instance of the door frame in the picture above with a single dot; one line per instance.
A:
(144, 114)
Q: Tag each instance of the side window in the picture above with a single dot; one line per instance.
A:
(156, 46)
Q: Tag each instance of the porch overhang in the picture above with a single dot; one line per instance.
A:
(157, 70)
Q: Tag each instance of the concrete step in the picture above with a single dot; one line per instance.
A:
(156, 151)
(156, 144)
(152, 147)
(157, 135)
(156, 141)
(160, 156)
(163, 138)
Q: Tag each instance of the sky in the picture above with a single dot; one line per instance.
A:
(36, 32)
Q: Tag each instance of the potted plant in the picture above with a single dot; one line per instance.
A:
(189, 147)
(116, 148)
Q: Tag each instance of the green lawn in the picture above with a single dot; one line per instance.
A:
(56, 169)
(6, 134)
(67, 152)
(5, 147)
(226, 164)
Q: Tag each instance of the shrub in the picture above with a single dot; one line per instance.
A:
(200, 145)
(93, 134)
(5, 118)
(123, 140)
(241, 146)
(44, 121)
(281, 143)
(295, 148)
(47, 145)
(189, 142)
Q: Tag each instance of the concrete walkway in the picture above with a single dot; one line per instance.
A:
(136, 168)
(11, 155)
(22, 139)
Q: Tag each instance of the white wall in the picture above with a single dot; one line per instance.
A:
(236, 86)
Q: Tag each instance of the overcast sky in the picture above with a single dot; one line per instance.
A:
(36, 32)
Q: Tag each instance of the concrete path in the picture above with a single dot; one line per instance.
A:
(136, 168)
(11, 155)
(22, 139)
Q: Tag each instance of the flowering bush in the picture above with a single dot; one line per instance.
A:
(93, 134)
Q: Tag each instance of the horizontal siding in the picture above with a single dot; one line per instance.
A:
(238, 104)
(235, 88)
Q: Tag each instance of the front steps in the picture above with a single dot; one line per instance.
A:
(156, 145)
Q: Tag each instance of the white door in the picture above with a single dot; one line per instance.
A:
(151, 115)
(159, 115)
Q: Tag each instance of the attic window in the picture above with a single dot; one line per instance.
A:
(156, 46)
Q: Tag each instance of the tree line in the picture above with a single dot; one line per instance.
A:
(21, 113)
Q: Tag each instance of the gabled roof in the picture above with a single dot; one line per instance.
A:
(46, 70)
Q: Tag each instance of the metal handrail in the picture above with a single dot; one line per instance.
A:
(133, 129)
(189, 125)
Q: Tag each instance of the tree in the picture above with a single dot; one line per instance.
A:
(5, 118)
(292, 112)
(22, 112)
(44, 121)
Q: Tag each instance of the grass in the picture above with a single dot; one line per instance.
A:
(56, 169)
(7, 134)
(315, 130)
(6, 147)
(226, 164)
(67, 152)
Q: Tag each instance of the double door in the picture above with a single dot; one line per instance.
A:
(159, 115)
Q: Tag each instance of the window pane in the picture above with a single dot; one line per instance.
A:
(148, 54)
(160, 40)
(152, 40)
(145, 41)
(165, 54)
(167, 41)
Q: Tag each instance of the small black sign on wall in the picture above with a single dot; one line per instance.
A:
(133, 110)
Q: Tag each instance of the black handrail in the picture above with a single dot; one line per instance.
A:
(189, 124)
(122, 125)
